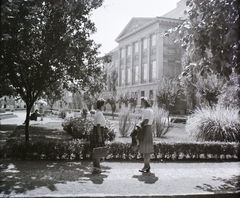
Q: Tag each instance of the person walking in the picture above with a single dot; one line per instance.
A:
(97, 135)
(146, 138)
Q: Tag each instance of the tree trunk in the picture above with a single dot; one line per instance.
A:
(113, 110)
(27, 123)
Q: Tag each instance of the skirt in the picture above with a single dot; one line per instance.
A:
(146, 143)
(94, 138)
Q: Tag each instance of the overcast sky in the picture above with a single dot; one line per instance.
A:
(112, 17)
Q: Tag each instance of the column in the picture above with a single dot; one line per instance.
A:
(131, 62)
(125, 64)
(148, 56)
(119, 67)
(140, 60)
(159, 54)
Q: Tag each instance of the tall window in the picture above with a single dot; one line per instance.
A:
(136, 47)
(129, 76)
(123, 77)
(129, 48)
(144, 73)
(145, 44)
(153, 40)
(136, 74)
(122, 53)
(153, 70)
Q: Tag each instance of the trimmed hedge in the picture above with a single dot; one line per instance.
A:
(79, 149)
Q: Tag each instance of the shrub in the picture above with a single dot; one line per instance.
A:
(161, 124)
(84, 113)
(79, 149)
(63, 114)
(229, 93)
(109, 131)
(126, 121)
(78, 127)
(214, 124)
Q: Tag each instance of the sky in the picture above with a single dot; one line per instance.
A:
(113, 16)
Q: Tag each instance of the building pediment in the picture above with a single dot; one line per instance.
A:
(133, 25)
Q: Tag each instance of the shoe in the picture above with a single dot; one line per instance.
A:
(144, 170)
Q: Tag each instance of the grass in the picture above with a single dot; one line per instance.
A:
(54, 131)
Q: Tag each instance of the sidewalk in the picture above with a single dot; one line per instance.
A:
(120, 179)
(62, 178)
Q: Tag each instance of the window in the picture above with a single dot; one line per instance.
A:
(145, 44)
(144, 73)
(153, 70)
(142, 94)
(136, 47)
(129, 76)
(122, 53)
(136, 74)
(123, 76)
(153, 40)
(129, 50)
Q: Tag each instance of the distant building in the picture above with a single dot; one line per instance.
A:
(144, 54)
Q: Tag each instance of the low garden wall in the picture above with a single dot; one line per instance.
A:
(79, 150)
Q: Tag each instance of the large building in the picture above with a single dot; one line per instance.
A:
(144, 54)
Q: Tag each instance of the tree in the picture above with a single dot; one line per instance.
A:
(77, 101)
(48, 41)
(111, 94)
(210, 37)
(209, 88)
(54, 93)
(124, 97)
(167, 92)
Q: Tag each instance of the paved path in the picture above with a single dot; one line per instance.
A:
(74, 179)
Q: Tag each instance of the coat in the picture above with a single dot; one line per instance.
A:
(136, 134)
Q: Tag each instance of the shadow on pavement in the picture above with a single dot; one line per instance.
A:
(20, 176)
(229, 185)
(147, 178)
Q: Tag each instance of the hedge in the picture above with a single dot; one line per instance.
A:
(79, 149)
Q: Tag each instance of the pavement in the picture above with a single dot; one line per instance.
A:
(119, 179)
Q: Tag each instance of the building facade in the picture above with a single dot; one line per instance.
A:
(144, 54)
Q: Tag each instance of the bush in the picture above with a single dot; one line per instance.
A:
(161, 123)
(78, 127)
(214, 124)
(84, 113)
(126, 121)
(79, 149)
(63, 114)
(109, 131)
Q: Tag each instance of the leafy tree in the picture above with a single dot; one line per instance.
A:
(228, 96)
(77, 100)
(110, 98)
(111, 94)
(210, 37)
(46, 41)
(167, 92)
(209, 88)
(54, 93)
(124, 97)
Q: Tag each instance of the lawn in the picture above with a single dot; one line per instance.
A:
(54, 131)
